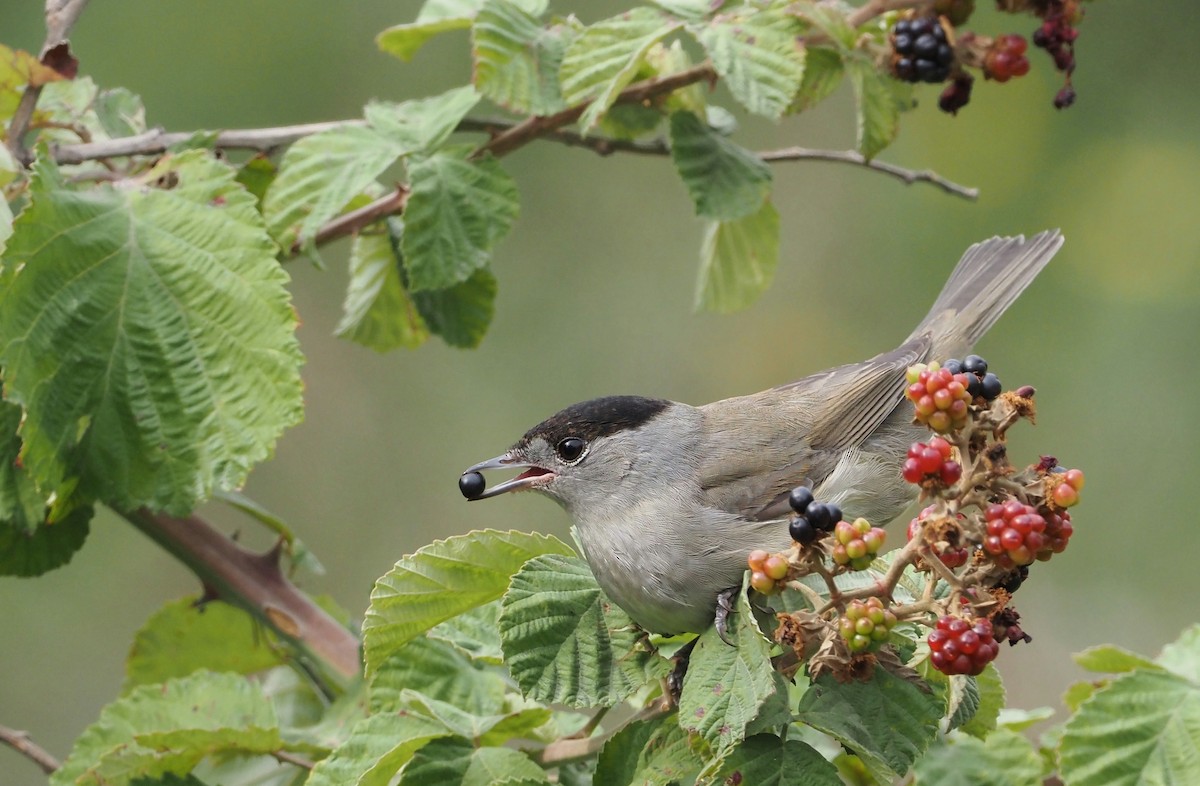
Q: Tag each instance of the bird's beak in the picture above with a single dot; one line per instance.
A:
(531, 477)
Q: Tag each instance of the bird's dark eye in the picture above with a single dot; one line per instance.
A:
(570, 449)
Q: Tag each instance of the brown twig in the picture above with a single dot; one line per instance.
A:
(255, 582)
(61, 16)
(22, 744)
(293, 759)
(569, 749)
(349, 223)
(909, 176)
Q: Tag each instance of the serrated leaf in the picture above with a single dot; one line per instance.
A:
(887, 721)
(738, 260)
(1014, 719)
(766, 760)
(962, 702)
(404, 41)
(880, 100)
(48, 546)
(1182, 656)
(457, 210)
(725, 686)
(759, 58)
(257, 175)
(1144, 727)
(991, 703)
(169, 728)
(19, 68)
(1079, 692)
(442, 580)
(322, 173)
(517, 60)
(725, 180)
(378, 746)
(456, 762)
(149, 335)
(490, 729)
(460, 315)
(829, 19)
(604, 59)
(440, 671)
(22, 505)
(475, 633)
(1111, 659)
(822, 74)
(377, 312)
(120, 112)
(565, 642)
(647, 753)
(1004, 759)
(183, 637)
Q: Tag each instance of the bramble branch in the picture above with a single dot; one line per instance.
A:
(22, 744)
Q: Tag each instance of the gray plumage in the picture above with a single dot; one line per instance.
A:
(668, 498)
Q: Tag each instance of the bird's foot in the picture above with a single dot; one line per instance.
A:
(679, 667)
(724, 609)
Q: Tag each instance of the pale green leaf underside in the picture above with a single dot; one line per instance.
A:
(758, 58)
(442, 580)
(1004, 759)
(377, 311)
(378, 746)
(564, 641)
(181, 638)
(606, 57)
(456, 762)
(738, 260)
(1182, 656)
(725, 180)
(457, 210)
(517, 59)
(169, 728)
(1142, 728)
(149, 335)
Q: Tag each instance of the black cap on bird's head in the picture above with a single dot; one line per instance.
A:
(561, 441)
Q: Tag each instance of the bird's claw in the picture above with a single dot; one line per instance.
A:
(724, 609)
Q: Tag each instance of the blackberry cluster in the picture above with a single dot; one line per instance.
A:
(951, 556)
(1057, 36)
(1015, 533)
(980, 382)
(1066, 487)
(959, 646)
(1006, 58)
(812, 518)
(856, 544)
(931, 463)
(866, 625)
(940, 397)
(922, 52)
(766, 570)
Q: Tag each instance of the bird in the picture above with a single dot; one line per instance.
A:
(668, 499)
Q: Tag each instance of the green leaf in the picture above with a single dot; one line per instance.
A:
(1142, 728)
(1004, 759)
(149, 335)
(962, 701)
(475, 633)
(442, 580)
(1014, 719)
(517, 60)
(377, 312)
(184, 636)
(322, 173)
(766, 760)
(120, 112)
(457, 210)
(822, 74)
(1077, 693)
(456, 762)
(647, 753)
(6, 220)
(725, 180)
(888, 721)
(439, 671)
(830, 19)
(759, 58)
(991, 702)
(257, 175)
(1111, 659)
(460, 314)
(48, 546)
(167, 729)
(378, 746)
(493, 729)
(738, 260)
(880, 101)
(565, 642)
(604, 59)
(1182, 656)
(404, 41)
(726, 686)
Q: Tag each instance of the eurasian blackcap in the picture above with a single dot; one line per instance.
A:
(668, 499)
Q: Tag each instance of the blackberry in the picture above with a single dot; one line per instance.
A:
(472, 485)
(990, 385)
(975, 364)
(824, 516)
(922, 52)
(800, 498)
(802, 530)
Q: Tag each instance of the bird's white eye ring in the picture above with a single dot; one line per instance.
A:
(570, 449)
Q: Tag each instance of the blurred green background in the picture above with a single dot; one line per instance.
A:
(596, 289)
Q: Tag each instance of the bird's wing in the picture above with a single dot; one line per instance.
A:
(748, 469)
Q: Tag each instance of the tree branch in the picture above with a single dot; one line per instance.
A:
(909, 176)
(255, 582)
(569, 749)
(22, 744)
(61, 16)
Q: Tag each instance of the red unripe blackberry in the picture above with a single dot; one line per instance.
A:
(1014, 533)
(957, 646)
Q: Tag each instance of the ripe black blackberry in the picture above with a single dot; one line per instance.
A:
(922, 52)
